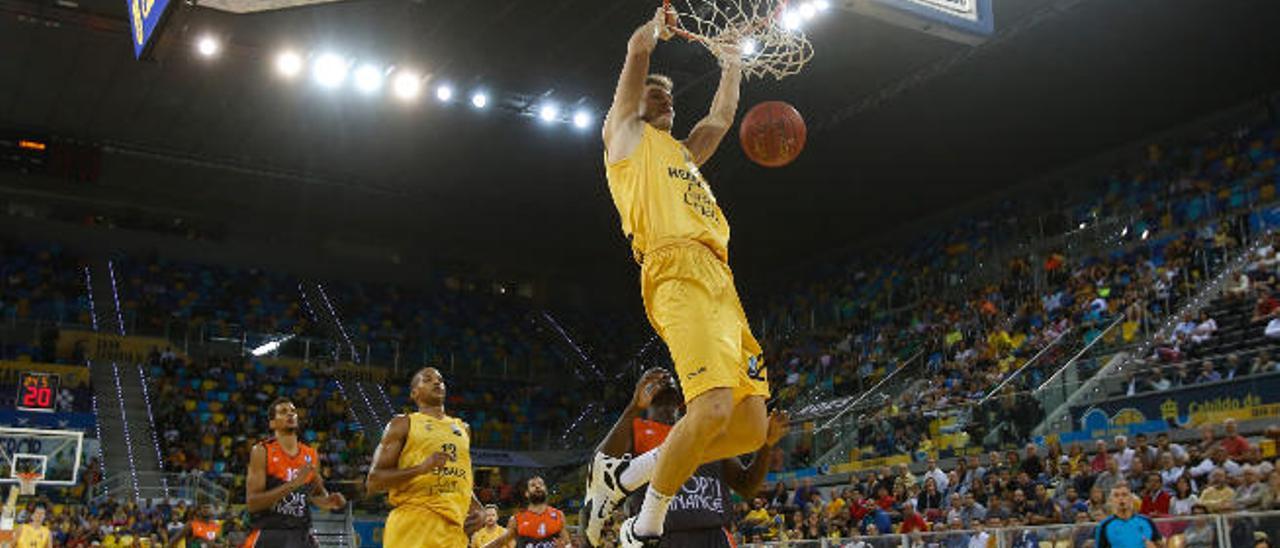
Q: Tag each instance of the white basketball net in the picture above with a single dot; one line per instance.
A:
(759, 29)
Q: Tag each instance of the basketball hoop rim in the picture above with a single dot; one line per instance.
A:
(679, 29)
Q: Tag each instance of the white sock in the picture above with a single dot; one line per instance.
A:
(640, 470)
(652, 514)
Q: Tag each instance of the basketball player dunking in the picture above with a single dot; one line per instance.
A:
(680, 237)
(702, 511)
(539, 525)
(34, 534)
(424, 463)
(282, 484)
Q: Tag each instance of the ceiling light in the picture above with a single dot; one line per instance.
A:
(808, 11)
(479, 100)
(289, 64)
(444, 92)
(330, 70)
(822, 5)
(407, 85)
(548, 112)
(749, 47)
(582, 119)
(208, 46)
(791, 20)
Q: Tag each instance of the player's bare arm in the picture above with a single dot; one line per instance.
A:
(622, 124)
(322, 498)
(746, 480)
(386, 472)
(257, 497)
(618, 441)
(707, 134)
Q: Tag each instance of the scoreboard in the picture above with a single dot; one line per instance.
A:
(37, 391)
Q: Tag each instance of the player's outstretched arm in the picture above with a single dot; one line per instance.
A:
(746, 480)
(386, 472)
(622, 124)
(618, 441)
(256, 495)
(711, 129)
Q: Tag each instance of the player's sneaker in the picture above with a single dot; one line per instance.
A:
(629, 539)
(604, 492)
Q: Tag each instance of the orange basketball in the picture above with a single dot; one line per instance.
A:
(772, 134)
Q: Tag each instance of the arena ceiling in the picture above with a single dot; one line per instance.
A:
(1077, 78)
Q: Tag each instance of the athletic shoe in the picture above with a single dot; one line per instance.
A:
(604, 492)
(629, 539)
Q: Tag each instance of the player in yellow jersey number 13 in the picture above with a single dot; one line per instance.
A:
(424, 464)
(680, 237)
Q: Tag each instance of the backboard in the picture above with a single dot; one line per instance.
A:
(967, 21)
(54, 454)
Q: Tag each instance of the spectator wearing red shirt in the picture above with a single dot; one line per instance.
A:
(1155, 500)
(1233, 442)
(912, 521)
(884, 500)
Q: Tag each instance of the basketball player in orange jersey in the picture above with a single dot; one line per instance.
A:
(540, 525)
(424, 464)
(283, 483)
(680, 237)
(200, 532)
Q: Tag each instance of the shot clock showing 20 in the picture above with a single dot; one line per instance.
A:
(37, 391)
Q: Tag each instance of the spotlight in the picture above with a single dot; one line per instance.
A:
(749, 47)
(330, 70)
(208, 46)
(807, 10)
(791, 20)
(368, 78)
(1145, 233)
(444, 92)
(289, 64)
(479, 99)
(582, 119)
(548, 112)
(1124, 232)
(822, 5)
(1082, 225)
(407, 85)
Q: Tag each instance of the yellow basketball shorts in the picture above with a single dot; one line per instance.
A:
(411, 527)
(692, 303)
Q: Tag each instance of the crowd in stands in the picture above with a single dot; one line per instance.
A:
(1186, 214)
(112, 523)
(1222, 472)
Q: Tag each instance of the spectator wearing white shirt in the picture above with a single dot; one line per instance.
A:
(1124, 453)
(939, 477)
(1217, 459)
(1204, 330)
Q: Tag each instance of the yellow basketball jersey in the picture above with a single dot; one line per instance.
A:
(662, 197)
(446, 491)
(33, 537)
